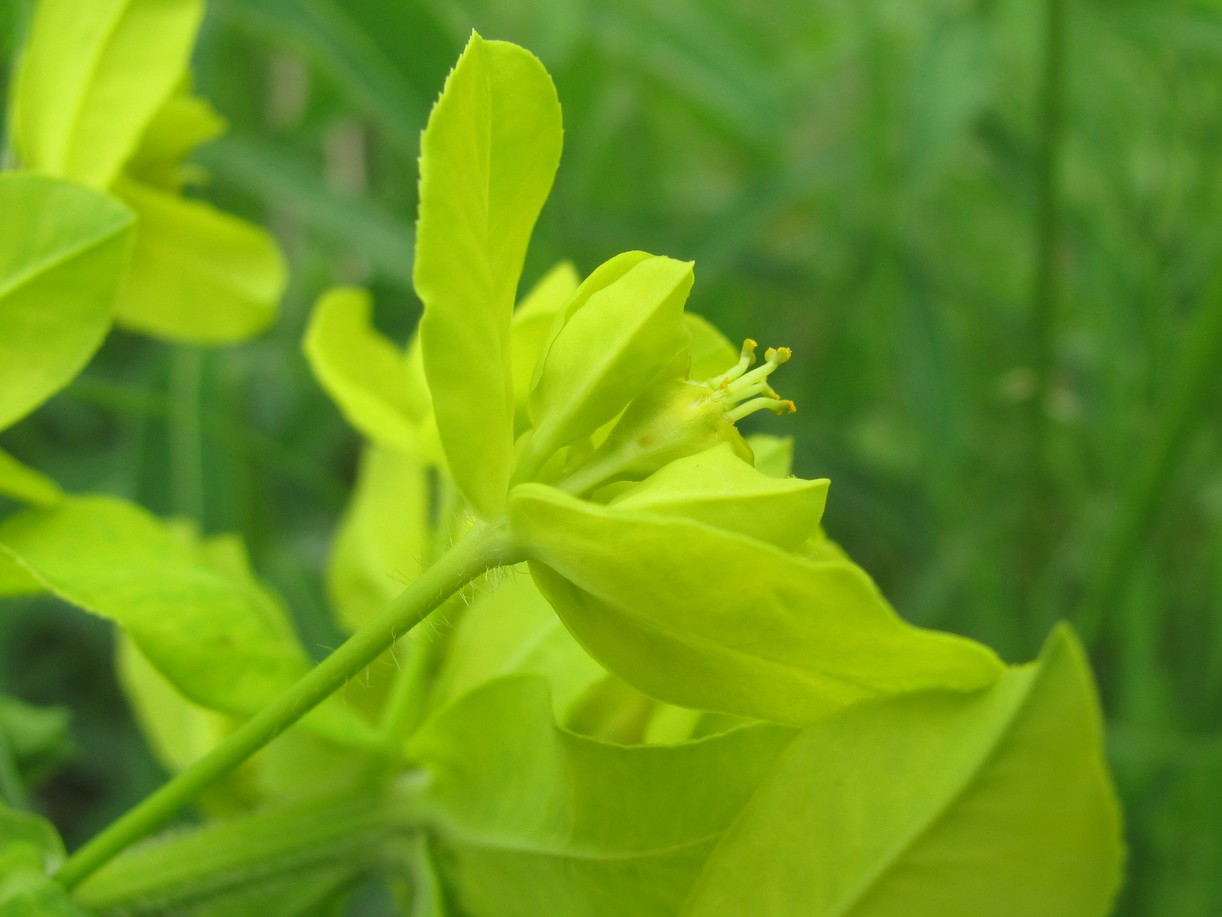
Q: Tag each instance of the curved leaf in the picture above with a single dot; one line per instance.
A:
(488, 157)
(608, 350)
(63, 251)
(197, 274)
(196, 614)
(537, 820)
(20, 482)
(92, 78)
(706, 618)
(364, 373)
(931, 804)
(719, 489)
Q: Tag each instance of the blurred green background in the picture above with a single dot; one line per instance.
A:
(989, 230)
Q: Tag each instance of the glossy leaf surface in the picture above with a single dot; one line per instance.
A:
(487, 161)
(995, 803)
(63, 251)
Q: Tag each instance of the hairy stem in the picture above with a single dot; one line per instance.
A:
(486, 547)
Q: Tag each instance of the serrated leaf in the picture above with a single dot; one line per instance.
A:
(365, 374)
(21, 482)
(488, 157)
(217, 635)
(706, 618)
(383, 540)
(63, 251)
(931, 804)
(197, 274)
(92, 78)
(609, 349)
(537, 820)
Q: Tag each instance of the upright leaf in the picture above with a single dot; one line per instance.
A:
(488, 157)
(93, 76)
(933, 804)
(63, 251)
(608, 350)
(536, 820)
(531, 331)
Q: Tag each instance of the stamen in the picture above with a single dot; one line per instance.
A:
(734, 415)
(774, 357)
(745, 359)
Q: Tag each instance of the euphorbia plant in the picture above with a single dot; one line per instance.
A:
(663, 689)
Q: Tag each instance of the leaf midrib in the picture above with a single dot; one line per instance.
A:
(925, 827)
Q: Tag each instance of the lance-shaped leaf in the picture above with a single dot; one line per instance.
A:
(609, 349)
(707, 618)
(510, 629)
(21, 482)
(197, 274)
(92, 78)
(537, 820)
(63, 250)
(487, 160)
(366, 375)
(934, 804)
(383, 540)
(194, 611)
(720, 489)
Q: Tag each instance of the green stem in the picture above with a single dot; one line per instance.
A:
(484, 548)
(337, 836)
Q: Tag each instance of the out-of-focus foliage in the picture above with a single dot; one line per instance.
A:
(867, 175)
